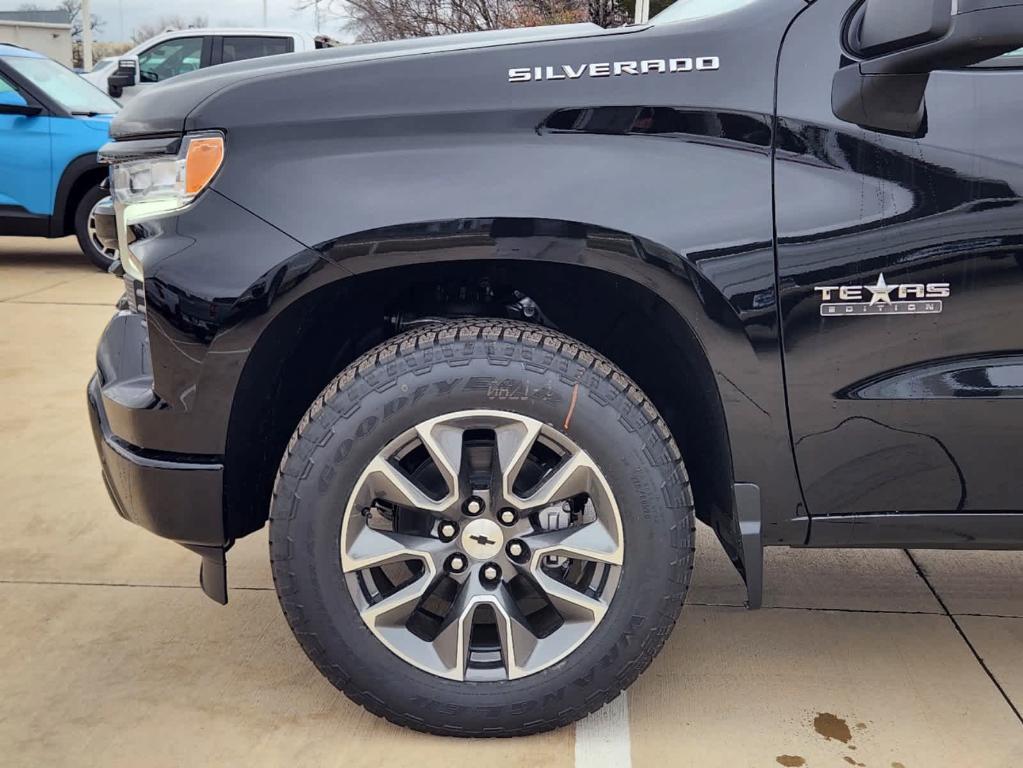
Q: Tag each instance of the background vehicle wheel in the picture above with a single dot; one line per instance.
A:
(85, 230)
(481, 528)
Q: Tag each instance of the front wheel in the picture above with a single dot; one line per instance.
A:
(85, 230)
(482, 528)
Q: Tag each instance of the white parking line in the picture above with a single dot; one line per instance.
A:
(602, 739)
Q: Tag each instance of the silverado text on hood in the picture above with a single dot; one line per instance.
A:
(612, 69)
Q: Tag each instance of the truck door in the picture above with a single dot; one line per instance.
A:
(900, 283)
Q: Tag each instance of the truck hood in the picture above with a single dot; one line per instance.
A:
(162, 109)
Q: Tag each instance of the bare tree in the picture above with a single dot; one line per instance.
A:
(628, 8)
(145, 31)
(102, 50)
(610, 13)
(374, 20)
(73, 9)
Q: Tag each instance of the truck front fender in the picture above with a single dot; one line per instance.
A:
(676, 200)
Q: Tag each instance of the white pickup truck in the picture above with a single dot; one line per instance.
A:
(185, 50)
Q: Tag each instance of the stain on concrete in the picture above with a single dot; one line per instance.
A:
(853, 762)
(790, 761)
(898, 765)
(861, 726)
(832, 727)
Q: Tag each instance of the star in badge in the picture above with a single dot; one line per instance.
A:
(881, 290)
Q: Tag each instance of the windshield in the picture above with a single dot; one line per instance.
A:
(72, 92)
(685, 10)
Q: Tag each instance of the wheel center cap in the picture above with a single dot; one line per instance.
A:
(482, 539)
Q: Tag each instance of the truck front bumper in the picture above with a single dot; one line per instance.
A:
(176, 496)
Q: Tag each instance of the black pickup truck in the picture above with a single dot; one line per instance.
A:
(482, 324)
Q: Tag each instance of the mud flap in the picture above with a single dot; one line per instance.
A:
(213, 571)
(747, 511)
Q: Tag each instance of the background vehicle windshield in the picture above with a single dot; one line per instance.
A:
(685, 10)
(75, 94)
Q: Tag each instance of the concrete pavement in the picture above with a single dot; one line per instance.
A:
(111, 656)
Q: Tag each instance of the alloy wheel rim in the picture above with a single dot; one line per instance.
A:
(93, 232)
(482, 545)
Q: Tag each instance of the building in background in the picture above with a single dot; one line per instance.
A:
(48, 32)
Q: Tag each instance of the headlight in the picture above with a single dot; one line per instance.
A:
(166, 183)
(159, 185)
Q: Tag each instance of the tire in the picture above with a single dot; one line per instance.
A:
(438, 374)
(101, 258)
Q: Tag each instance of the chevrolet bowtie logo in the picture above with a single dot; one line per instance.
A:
(482, 540)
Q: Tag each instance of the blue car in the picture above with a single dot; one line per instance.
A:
(51, 124)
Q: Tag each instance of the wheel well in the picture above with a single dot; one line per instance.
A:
(91, 178)
(317, 336)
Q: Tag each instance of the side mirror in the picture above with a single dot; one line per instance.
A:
(13, 103)
(902, 41)
(125, 76)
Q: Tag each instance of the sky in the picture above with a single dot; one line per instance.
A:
(121, 16)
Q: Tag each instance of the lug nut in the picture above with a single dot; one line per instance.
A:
(508, 516)
(474, 505)
(447, 530)
(490, 572)
(456, 563)
(516, 549)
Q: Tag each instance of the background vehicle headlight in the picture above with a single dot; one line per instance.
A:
(164, 184)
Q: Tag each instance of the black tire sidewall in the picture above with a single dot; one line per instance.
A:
(82, 211)
(386, 400)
